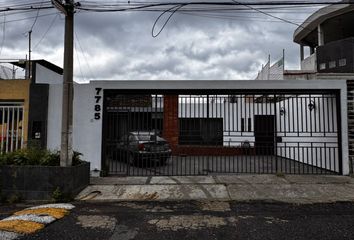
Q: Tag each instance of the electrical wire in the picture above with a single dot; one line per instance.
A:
(45, 33)
(35, 20)
(78, 61)
(268, 14)
(174, 10)
(83, 53)
(22, 19)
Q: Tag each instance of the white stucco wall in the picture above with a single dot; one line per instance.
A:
(54, 116)
(87, 132)
(46, 76)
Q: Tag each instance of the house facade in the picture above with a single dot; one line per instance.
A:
(296, 122)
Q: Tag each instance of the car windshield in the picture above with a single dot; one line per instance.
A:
(148, 137)
(145, 137)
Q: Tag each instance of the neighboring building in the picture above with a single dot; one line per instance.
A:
(24, 104)
(328, 35)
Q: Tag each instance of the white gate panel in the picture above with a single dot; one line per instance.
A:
(11, 127)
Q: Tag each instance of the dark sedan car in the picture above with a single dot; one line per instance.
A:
(143, 148)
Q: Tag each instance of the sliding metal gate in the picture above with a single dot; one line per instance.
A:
(226, 132)
(11, 127)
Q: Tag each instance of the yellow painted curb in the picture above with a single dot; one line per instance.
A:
(54, 212)
(20, 226)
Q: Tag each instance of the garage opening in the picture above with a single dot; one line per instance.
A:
(206, 132)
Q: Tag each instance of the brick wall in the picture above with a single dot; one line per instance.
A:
(350, 84)
(171, 134)
(191, 150)
(170, 120)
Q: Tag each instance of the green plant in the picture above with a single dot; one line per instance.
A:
(76, 158)
(59, 196)
(51, 159)
(36, 156)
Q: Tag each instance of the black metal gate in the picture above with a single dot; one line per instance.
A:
(206, 132)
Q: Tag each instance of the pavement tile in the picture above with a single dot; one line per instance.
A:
(118, 180)
(183, 180)
(317, 179)
(251, 179)
(164, 192)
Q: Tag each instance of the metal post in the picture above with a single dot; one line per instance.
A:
(302, 53)
(29, 54)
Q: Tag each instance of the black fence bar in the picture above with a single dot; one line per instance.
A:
(179, 134)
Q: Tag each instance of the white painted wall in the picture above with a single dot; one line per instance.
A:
(54, 116)
(87, 132)
(47, 76)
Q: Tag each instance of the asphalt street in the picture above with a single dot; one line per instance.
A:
(201, 220)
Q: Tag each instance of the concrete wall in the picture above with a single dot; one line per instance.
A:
(309, 63)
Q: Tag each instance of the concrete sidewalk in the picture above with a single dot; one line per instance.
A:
(289, 188)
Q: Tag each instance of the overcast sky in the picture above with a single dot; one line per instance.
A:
(120, 46)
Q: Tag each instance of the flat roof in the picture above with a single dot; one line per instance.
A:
(42, 62)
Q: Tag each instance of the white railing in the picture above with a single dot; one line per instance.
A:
(11, 128)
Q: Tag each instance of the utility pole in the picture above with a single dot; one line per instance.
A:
(66, 151)
(29, 55)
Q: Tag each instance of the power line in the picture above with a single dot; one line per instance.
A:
(78, 60)
(268, 14)
(48, 29)
(35, 20)
(21, 19)
(174, 10)
(83, 53)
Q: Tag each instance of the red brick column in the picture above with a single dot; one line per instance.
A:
(170, 120)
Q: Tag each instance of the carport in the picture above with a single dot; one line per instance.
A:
(223, 127)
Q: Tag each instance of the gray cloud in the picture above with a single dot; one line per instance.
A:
(120, 46)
